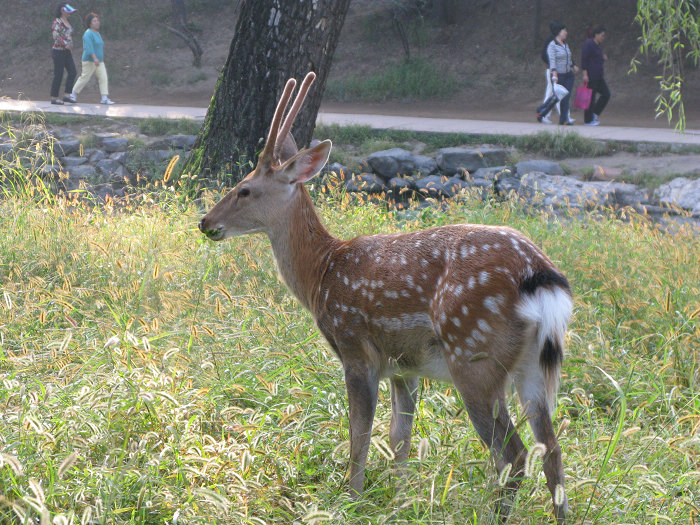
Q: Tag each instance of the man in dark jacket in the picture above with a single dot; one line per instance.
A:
(592, 59)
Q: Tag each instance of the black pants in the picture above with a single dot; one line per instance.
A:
(62, 59)
(566, 80)
(601, 95)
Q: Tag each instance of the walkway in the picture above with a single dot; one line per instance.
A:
(377, 122)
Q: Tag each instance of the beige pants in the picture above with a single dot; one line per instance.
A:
(100, 72)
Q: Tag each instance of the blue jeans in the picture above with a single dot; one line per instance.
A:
(566, 80)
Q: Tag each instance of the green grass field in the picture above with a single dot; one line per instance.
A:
(148, 375)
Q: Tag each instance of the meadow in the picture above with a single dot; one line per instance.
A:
(148, 375)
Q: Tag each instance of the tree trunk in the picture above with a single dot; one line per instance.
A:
(274, 40)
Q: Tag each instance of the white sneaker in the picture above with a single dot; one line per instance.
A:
(70, 98)
(545, 120)
(571, 121)
(105, 100)
(592, 123)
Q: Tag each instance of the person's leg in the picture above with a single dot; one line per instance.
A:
(547, 93)
(101, 74)
(88, 70)
(58, 64)
(70, 68)
(566, 80)
(602, 88)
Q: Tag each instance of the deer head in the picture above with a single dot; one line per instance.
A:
(259, 200)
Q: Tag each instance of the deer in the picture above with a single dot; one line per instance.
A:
(479, 306)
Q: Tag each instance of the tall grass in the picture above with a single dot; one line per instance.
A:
(410, 79)
(150, 376)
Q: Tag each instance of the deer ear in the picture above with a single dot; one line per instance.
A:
(307, 163)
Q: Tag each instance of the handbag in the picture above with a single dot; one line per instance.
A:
(583, 97)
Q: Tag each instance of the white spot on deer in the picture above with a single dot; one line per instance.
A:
(465, 310)
(403, 260)
(337, 274)
(409, 280)
(451, 338)
(423, 263)
(470, 342)
(336, 321)
(377, 259)
(433, 235)
(463, 252)
(496, 245)
(393, 260)
(471, 283)
(344, 308)
(370, 296)
(390, 294)
(485, 247)
(456, 321)
(459, 289)
(357, 260)
(346, 281)
(405, 293)
(478, 336)
(458, 351)
(483, 277)
(472, 250)
(492, 305)
(443, 318)
(436, 253)
(418, 243)
(483, 326)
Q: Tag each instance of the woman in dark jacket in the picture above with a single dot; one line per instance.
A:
(592, 60)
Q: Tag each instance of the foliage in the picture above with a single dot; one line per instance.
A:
(148, 375)
(410, 79)
(162, 126)
(671, 30)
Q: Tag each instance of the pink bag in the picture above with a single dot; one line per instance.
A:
(583, 97)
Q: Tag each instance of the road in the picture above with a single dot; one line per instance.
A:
(622, 133)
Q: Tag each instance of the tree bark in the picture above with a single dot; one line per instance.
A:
(274, 40)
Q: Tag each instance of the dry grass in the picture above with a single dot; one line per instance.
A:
(150, 376)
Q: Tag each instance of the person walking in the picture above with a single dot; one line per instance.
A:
(592, 60)
(93, 60)
(62, 53)
(562, 69)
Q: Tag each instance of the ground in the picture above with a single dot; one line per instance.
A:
(489, 51)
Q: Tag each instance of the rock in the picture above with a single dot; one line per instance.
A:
(69, 162)
(159, 155)
(336, 168)
(454, 185)
(400, 188)
(120, 156)
(392, 162)
(107, 166)
(602, 173)
(541, 166)
(64, 148)
(424, 165)
(112, 144)
(681, 192)
(86, 171)
(365, 182)
(182, 141)
(431, 186)
(95, 155)
(452, 161)
(50, 169)
(6, 150)
(556, 191)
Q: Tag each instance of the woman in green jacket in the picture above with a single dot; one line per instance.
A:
(93, 60)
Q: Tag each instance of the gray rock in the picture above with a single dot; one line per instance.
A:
(541, 166)
(50, 169)
(182, 141)
(113, 144)
(64, 148)
(336, 168)
(120, 156)
(86, 171)
(107, 166)
(681, 192)
(454, 185)
(6, 149)
(431, 186)
(424, 165)
(95, 155)
(159, 155)
(392, 162)
(365, 182)
(452, 161)
(400, 188)
(561, 192)
(69, 162)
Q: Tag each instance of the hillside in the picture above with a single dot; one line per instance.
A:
(488, 54)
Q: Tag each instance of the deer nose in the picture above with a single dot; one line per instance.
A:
(201, 226)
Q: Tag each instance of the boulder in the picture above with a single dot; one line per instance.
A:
(562, 192)
(453, 161)
(64, 148)
(541, 166)
(107, 166)
(95, 155)
(392, 162)
(681, 192)
(69, 162)
(112, 144)
(86, 171)
(432, 186)
(365, 182)
(182, 141)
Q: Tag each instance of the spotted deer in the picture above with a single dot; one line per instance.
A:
(479, 306)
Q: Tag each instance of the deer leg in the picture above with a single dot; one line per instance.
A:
(495, 427)
(403, 404)
(543, 430)
(362, 382)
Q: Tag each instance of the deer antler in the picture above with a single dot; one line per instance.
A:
(291, 116)
(268, 153)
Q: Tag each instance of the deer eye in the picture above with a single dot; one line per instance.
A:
(243, 192)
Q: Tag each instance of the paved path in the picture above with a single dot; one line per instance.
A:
(691, 136)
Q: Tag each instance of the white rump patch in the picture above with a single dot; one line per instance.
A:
(549, 309)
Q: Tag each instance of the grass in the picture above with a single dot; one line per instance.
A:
(161, 126)
(149, 376)
(414, 79)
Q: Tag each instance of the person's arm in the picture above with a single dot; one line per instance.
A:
(552, 56)
(89, 47)
(585, 60)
